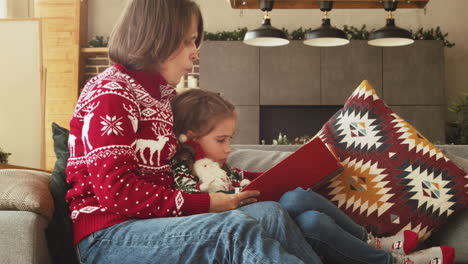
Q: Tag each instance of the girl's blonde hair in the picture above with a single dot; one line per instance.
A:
(199, 110)
(149, 31)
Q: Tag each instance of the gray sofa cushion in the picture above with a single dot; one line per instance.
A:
(458, 150)
(255, 160)
(459, 161)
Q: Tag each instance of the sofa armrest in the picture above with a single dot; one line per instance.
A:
(9, 166)
(26, 190)
(23, 238)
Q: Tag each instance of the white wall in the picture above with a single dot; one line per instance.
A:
(21, 118)
(218, 15)
(3, 9)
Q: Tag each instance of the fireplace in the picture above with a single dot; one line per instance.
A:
(293, 121)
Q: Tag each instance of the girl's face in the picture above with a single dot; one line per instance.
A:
(217, 143)
(181, 61)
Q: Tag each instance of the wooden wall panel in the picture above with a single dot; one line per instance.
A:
(61, 31)
(60, 38)
(59, 66)
(57, 10)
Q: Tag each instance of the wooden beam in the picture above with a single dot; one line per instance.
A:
(315, 4)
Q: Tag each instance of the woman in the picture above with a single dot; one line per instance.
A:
(123, 205)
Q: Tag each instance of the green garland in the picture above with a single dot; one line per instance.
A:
(227, 35)
(352, 32)
(356, 33)
(432, 34)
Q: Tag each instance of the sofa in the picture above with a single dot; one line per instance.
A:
(23, 227)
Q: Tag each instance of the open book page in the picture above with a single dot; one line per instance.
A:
(310, 166)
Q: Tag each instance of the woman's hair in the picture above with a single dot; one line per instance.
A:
(149, 31)
(199, 111)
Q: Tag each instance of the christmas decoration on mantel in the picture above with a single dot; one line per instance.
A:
(315, 4)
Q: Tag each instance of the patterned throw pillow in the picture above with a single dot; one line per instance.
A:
(394, 178)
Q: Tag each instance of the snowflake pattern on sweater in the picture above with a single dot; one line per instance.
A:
(121, 142)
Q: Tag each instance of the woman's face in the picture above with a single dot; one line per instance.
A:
(181, 61)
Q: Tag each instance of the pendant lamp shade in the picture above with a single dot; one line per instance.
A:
(326, 36)
(266, 36)
(390, 36)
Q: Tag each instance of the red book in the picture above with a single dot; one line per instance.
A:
(310, 166)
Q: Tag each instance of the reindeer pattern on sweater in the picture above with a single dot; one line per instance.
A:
(121, 142)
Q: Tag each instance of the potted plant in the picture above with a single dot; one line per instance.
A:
(458, 129)
(4, 156)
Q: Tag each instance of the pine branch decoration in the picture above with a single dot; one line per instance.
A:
(432, 34)
(353, 33)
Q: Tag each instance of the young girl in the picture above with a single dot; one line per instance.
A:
(208, 123)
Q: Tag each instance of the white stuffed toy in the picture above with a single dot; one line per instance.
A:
(212, 177)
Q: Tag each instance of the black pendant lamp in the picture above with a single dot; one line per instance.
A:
(326, 35)
(390, 35)
(266, 35)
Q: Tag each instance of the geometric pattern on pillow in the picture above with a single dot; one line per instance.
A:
(393, 178)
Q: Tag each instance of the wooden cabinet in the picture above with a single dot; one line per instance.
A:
(231, 68)
(415, 74)
(343, 68)
(290, 75)
(429, 120)
(248, 130)
(409, 79)
(63, 29)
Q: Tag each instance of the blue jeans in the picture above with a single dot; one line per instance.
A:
(257, 233)
(330, 232)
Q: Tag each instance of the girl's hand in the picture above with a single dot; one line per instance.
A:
(220, 202)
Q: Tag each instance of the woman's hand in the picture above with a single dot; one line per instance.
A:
(220, 202)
